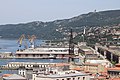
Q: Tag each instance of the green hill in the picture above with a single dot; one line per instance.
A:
(59, 29)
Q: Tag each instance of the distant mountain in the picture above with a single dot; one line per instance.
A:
(59, 29)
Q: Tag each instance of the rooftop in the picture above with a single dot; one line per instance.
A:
(97, 61)
(85, 47)
(91, 64)
(14, 77)
(77, 69)
(6, 75)
(101, 77)
(117, 65)
(115, 51)
(115, 79)
(114, 69)
(65, 74)
(60, 64)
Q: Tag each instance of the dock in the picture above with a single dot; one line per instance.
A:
(16, 65)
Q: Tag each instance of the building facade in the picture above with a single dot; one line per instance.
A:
(64, 75)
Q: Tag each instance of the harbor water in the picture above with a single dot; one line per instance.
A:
(12, 46)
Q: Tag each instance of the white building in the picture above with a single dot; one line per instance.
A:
(102, 62)
(59, 71)
(45, 52)
(61, 75)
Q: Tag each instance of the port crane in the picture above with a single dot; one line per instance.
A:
(22, 37)
(31, 40)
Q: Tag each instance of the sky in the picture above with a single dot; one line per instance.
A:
(23, 11)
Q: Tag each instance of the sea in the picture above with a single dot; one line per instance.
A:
(8, 45)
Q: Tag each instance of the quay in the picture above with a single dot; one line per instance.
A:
(16, 65)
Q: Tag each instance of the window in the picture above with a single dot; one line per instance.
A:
(23, 73)
(26, 55)
(68, 79)
(83, 78)
(20, 73)
(33, 55)
(19, 55)
(73, 78)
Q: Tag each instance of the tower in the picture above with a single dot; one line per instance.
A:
(71, 46)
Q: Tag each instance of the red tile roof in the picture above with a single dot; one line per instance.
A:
(6, 75)
(115, 68)
(91, 64)
(115, 79)
(101, 77)
(60, 65)
(77, 68)
(117, 65)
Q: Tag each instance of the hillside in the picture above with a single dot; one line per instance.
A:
(59, 29)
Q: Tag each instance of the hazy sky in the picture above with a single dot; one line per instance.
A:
(18, 11)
